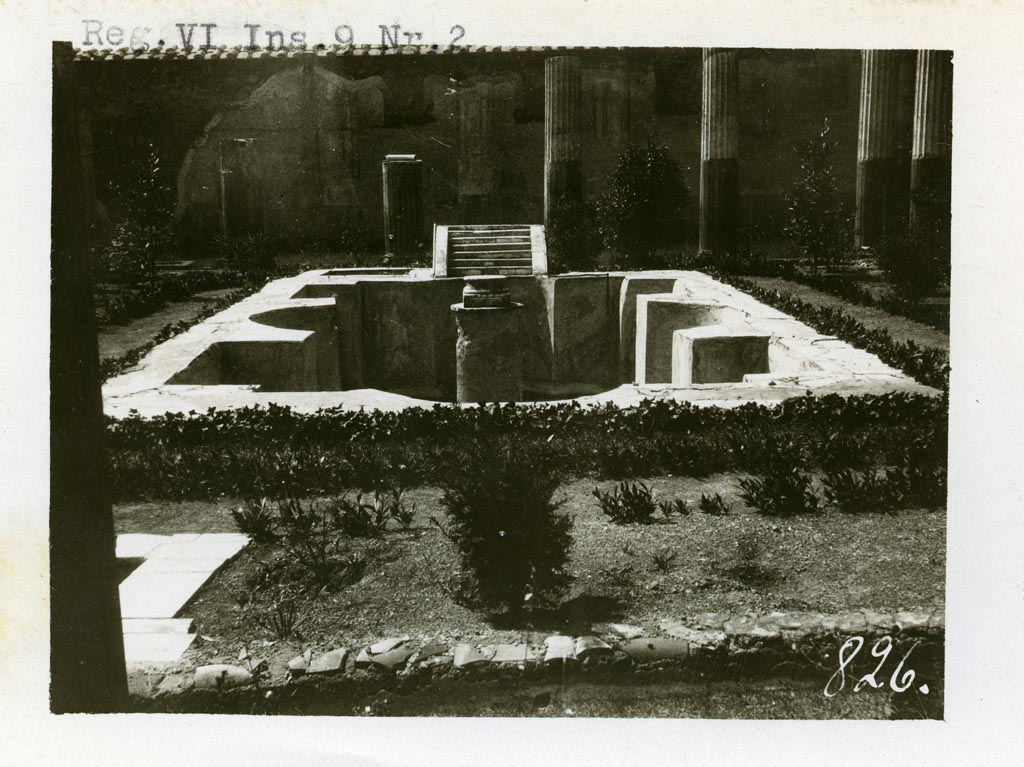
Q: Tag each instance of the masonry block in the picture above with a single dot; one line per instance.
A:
(658, 316)
(715, 354)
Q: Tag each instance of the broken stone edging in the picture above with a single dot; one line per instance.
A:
(707, 640)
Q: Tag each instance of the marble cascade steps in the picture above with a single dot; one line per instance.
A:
(477, 249)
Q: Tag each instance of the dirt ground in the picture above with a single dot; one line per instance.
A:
(742, 561)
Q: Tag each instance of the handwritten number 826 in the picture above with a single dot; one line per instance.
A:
(899, 682)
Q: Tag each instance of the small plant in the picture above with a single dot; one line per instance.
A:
(311, 535)
(256, 519)
(868, 491)
(363, 519)
(277, 610)
(629, 549)
(713, 505)
(677, 507)
(403, 513)
(628, 503)
(620, 575)
(783, 491)
(664, 559)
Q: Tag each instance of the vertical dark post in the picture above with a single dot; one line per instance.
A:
(403, 204)
(881, 190)
(563, 155)
(931, 157)
(87, 671)
(719, 152)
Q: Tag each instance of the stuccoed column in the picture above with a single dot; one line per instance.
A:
(563, 166)
(880, 190)
(931, 157)
(488, 365)
(719, 151)
(403, 204)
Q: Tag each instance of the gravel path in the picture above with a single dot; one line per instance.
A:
(115, 340)
(901, 328)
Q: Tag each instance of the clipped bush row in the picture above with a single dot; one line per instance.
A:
(277, 451)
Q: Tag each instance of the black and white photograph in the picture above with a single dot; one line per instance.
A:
(404, 369)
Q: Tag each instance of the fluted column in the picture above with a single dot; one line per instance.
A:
(563, 171)
(931, 159)
(881, 190)
(719, 151)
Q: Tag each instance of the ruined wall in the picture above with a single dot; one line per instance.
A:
(322, 125)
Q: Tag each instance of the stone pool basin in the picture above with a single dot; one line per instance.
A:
(386, 339)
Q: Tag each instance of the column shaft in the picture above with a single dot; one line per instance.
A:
(563, 171)
(719, 151)
(881, 189)
(930, 164)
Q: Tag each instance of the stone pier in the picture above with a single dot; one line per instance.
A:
(719, 151)
(563, 171)
(403, 204)
(488, 355)
(931, 161)
(881, 189)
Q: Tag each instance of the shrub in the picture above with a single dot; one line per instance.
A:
(629, 502)
(714, 505)
(782, 491)
(507, 527)
(819, 219)
(402, 512)
(248, 254)
(573, 239)
(256, 519)
(644, 206)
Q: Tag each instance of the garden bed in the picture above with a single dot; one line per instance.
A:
(741, 561)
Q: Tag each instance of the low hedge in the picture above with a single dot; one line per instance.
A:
(276, 451)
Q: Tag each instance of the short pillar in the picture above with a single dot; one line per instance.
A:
(719, 151)
(881, 193)
(487, 352)
(403, 204)
(563, 166)
(930, 162)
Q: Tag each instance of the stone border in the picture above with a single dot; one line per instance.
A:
(703, 641)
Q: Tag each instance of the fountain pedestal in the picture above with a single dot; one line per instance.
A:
(487, 352)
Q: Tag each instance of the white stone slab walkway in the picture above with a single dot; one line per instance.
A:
(174, 568)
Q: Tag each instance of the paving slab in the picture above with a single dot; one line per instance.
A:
(392, 659)
(587, 646)
(137, 545)
(386, 645)
(157, 625)
(176, 565)
(155, 647)
(158, 595)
